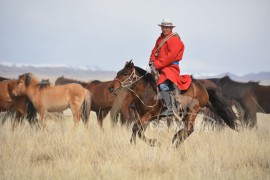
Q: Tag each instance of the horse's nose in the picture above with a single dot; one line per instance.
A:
(111, 89)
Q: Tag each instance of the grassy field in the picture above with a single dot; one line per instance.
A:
(59, 152)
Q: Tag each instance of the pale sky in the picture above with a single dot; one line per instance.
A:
(219, 35)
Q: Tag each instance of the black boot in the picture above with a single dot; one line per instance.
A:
(168, 104)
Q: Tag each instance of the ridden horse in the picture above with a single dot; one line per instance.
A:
(149, 106)
(20, 105)
(102, 99)
(252, 97)
(48, 98)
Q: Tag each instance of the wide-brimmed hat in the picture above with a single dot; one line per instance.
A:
(167, 23)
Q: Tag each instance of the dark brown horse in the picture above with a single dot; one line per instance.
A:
(3, 78)
(252, 97)
(149, 106)
(102, 99)
(209, 117)
(62, 80)
(20, 105)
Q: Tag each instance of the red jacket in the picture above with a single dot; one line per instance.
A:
(172, 50)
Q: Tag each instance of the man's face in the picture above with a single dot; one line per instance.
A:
(166, 30)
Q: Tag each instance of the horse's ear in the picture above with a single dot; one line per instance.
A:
(27, 79)
(131, 65)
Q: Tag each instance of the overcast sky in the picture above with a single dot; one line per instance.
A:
(219, 35)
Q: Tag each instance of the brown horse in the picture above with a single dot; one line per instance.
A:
(55, 98)
(20, 105)
(250, 95)
(102, 99)
(149, 106)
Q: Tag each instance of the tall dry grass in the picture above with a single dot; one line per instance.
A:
(61, 153)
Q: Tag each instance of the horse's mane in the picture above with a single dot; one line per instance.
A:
(147, 77)
(235, 88)
(95, 82)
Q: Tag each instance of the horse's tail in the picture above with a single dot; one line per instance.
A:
(31, 113)
(86, 106)
(220, 107)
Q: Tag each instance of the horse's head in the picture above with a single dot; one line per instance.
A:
(22, 84)
(124, 78)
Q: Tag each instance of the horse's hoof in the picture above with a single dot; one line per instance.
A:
(132, 141)
(154, 143)
(176, 144)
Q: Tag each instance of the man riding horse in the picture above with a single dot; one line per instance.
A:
(164, 59)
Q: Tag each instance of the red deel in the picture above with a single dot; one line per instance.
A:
(170, 52)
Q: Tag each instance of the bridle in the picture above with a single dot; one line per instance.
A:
(129, 81)
(133, 78)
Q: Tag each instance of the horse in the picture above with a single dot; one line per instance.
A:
(49, 98)
(208, 116)
(19, 105)
(102, 99)
(3, 78)
(62, 80)
(252, 97)
(149, 106)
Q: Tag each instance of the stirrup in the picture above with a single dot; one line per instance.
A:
(166, 112)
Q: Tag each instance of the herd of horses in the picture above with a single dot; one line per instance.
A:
(133, 95)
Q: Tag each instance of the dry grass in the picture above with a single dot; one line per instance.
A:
(61, 153)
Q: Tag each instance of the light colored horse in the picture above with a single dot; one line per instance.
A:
(50, 98)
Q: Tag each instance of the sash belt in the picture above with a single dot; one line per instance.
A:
(175, 63)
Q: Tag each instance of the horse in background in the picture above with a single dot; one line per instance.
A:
(48, 98)
(62, 80)
(19, 105)
(208, 115)
(3, 78)
(149, 106)
(102, 100)
(250, 95)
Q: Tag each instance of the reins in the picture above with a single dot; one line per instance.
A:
(130, 82)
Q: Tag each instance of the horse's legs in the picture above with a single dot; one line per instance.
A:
(17, 119)
(139, 128)
(129, 115)
(189, 120)
(76, 116)
(99, 118)
(250, 119)
(42, 114)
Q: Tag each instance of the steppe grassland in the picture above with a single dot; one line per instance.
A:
(63, 153)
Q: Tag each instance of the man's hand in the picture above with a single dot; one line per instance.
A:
(151, 62)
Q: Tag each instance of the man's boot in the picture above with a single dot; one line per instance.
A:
(168, 104)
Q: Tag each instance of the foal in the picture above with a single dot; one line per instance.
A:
(55, 98)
